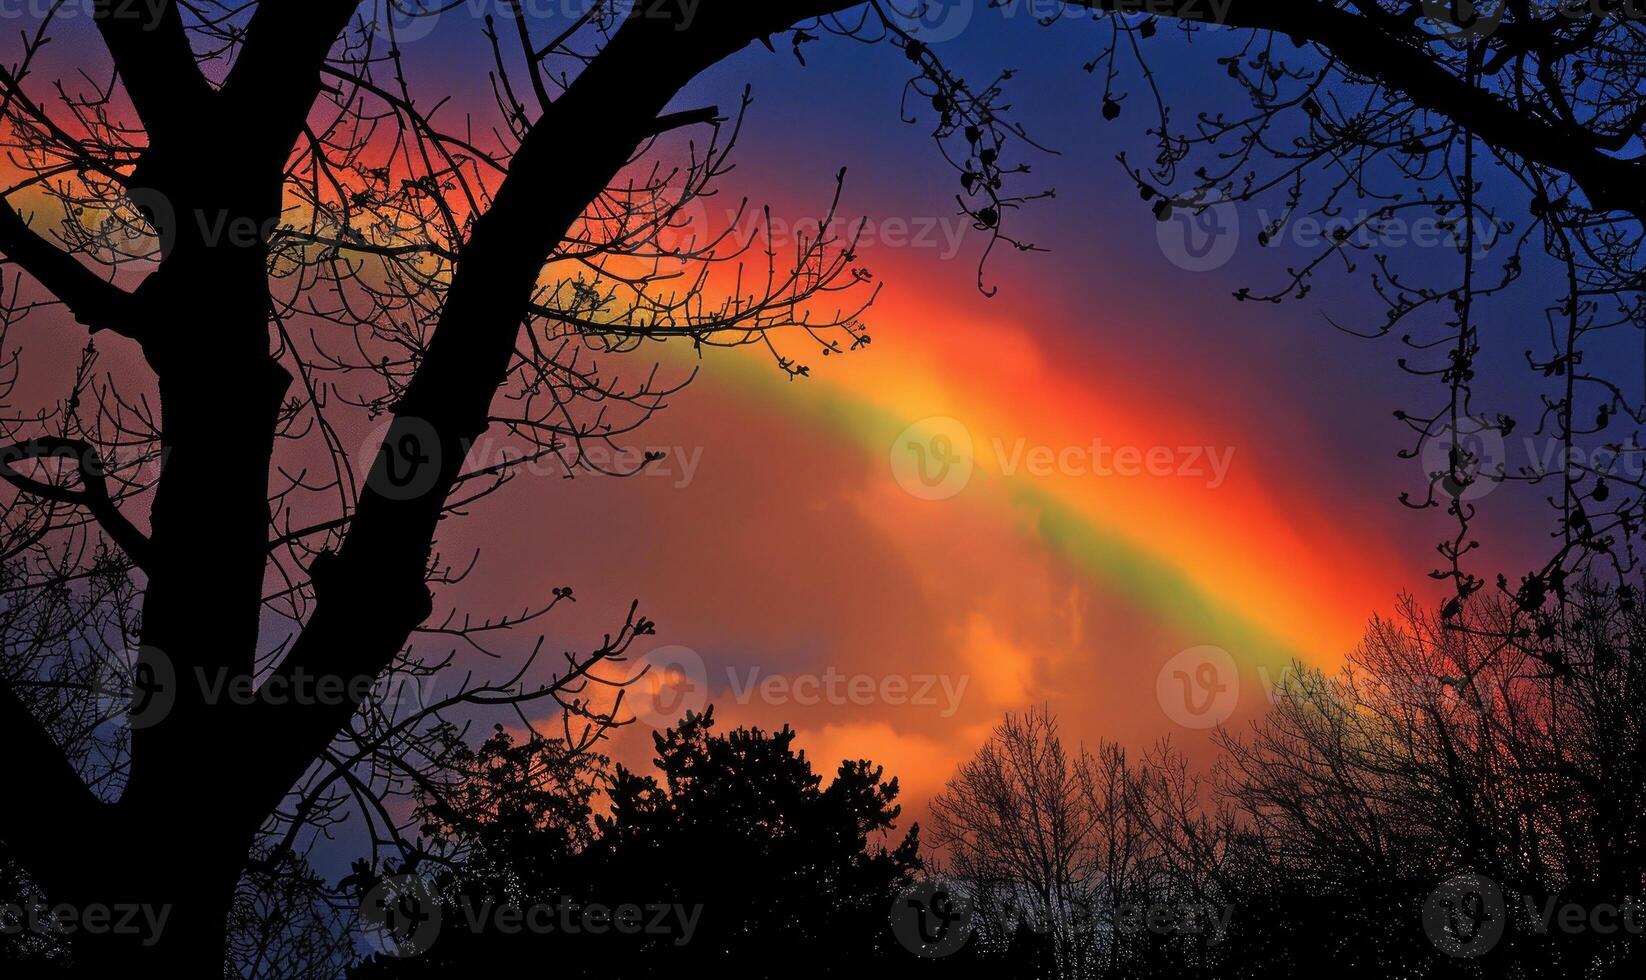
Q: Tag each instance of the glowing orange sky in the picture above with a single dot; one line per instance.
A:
(794, 549)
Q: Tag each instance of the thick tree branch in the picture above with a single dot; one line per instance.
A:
(372, 593)
(152, 54)
(93, 493)
(98, 304)
(277, 73)
(54, 813)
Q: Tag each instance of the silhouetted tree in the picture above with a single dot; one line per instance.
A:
(284, 245)
(1371, 822)
(1450, 748)
(764, 870)
(1334, 833)
(1075, 860)
(1018, 830)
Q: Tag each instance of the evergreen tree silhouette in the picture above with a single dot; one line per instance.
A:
(737, 855)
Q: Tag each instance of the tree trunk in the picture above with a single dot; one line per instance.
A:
(165, 893)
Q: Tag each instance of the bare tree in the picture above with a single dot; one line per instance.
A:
(1446, 750)
(1017, 828)
(286, 246)
(1103, 857)
(1442, 751)
(281, 245)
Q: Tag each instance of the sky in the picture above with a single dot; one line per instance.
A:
(1107, 488)
(1238, 513)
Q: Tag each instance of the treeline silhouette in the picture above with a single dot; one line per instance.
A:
(1448, 805)
(1445, 806)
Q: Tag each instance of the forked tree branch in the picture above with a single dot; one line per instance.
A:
(93, 493)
